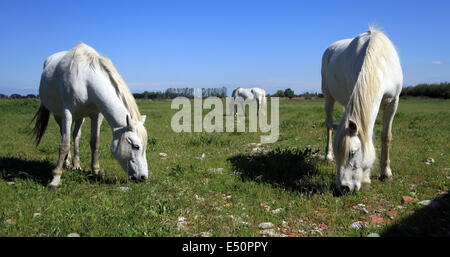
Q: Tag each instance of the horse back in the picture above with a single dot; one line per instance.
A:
(60, 86)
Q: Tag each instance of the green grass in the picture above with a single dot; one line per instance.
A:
(287, 175)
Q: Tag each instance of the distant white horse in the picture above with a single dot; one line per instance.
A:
(364, 74)
(80, 83)
(246, 95)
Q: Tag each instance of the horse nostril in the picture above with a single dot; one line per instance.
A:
(345, 189)
(143, 178)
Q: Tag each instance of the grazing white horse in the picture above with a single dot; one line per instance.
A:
(363, 74)
(80, 83)
(241, 95)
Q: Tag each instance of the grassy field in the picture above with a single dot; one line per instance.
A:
(286, 185)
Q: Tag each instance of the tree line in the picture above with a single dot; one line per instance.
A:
(441, 90)
(291, 94)
(17, 96)
(437, 90)
(171, 93)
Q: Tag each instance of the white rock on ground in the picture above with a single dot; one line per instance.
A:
(244, 223)
(181, 222)
(358, 225)
(236, 220)
(362, 208)
(429, 161)
(199, 198)
(280, 235)
(216, 170)
(265, 225)
(162, 155)
(267, 232)
(316, 232)
(73, 235)
(276, 211)
(37, 215)
(206, 234)
(429, 203)
(257, 150)
(124, 189)
(201, 157)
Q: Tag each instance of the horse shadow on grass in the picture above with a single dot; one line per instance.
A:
(429, 221)
(293, 169)
(12, 168)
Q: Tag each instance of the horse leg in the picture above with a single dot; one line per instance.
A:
(258, 106)
(64, 148)
(264, 105)
(366, 179)
(231, 107)
(386, 139)
(329, 104)
(76, 144)
(67, 161)
(96, 122)
(242, 109)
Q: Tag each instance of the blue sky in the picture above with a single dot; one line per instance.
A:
(270, 44)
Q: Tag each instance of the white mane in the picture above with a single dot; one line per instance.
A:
(83, 53)
(359, 107)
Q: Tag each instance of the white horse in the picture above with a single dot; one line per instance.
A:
(364, 74)
(80, 83)
(246, 95)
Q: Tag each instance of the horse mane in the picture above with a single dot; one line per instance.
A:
(359, 107)
(83, 52)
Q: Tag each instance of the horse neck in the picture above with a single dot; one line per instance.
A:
(110, 105)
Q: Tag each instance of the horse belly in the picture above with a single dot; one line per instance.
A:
(60, 91)
(338, 88)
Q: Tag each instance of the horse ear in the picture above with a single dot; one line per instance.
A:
(143, 117)
(352, 127)
(130, 126)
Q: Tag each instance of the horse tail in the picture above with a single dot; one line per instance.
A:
(325, 61)
(233, 94)
(42, 116)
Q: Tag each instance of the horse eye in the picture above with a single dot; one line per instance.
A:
(136, 147)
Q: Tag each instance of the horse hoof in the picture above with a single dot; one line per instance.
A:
(52, 186)
(366, 186)
(77, 168)
(329, 159)
(386, 178)
(99, 174)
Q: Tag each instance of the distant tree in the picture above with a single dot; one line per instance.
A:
(2, 96)
(279, 93)
(15, 96)
(137, 95)
(30, 96)
(289, 93)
